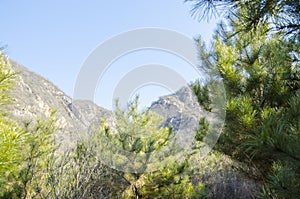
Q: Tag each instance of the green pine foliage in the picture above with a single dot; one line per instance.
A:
(283, 15)
(134, 138)
(202, 94)
(283, 182)
(137, 138)
(38, 144)
(261, 74)
(11, 138)
(202, 130)
(6, 81)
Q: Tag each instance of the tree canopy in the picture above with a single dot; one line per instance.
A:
(256, 53)
(282, 15)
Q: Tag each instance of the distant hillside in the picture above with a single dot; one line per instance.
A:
(35, 97)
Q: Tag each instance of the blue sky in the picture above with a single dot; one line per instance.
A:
(53, 38)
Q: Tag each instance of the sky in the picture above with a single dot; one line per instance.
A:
(54, 38)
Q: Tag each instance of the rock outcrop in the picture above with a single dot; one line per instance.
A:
(182, 112)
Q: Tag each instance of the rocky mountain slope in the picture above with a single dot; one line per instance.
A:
(35, 97)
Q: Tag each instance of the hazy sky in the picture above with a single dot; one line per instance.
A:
(53, 38)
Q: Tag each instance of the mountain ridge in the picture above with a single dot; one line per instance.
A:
(36, 97)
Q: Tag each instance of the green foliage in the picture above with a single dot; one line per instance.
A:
(202, 130)
(260, 69)
(282, 15)
(45, 171)
(200, 192)
(139, 137)
(10, 148)
(283, 182)
(37, 149)
(257, 79)
(140, 132)
(202, 93)
(11, 138)
(279, 132)
(170, 182)
(133, 140)
(6, 81)
(29, 174)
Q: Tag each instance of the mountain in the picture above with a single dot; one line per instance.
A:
(35, 97)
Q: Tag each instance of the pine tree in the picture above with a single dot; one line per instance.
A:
(11, 138)
(282, 15)
(261, 73)
(137, 140)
